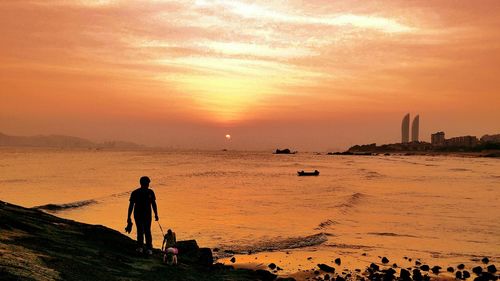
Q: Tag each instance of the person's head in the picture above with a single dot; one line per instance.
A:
(144, 181)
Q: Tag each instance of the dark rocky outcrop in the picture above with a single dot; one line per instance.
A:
(69, 250)
(326, 268)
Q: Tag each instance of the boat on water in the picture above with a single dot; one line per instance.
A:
(303, 173)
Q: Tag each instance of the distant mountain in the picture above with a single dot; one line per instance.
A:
(60, 141)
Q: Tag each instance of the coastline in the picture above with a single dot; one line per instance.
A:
(35, 245)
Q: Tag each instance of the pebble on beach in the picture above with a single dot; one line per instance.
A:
(385, 260)
(477, 270)
(435, 269)
(338, 261)
(424, 267)
(450, 269)
(233, 259)
(492, 268)
(272, 266)
(461, 266)
(485, 260)
(326, 268)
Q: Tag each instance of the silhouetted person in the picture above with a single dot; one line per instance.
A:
(141, 201)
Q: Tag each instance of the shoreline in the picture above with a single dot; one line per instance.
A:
(36, 245)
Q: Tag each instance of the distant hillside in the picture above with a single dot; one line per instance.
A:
(60, 141)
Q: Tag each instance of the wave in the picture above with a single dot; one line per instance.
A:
(60, 207)
(326, 224)
(275, 245)
(350, 202)
(368, 174)
(391, 234)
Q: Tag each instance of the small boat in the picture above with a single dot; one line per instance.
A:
(302, 173)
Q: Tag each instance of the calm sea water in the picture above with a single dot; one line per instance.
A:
(438, 209)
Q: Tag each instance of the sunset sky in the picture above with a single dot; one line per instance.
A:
(309, 75)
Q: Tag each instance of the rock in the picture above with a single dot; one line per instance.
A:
(486, 276)
(485, 260)
(339, 278)
(395, 265)
(309, 258)
(286, 279)
(326, 268)
(374, 267)
(389, 272)
(404, 274)
(417, 263)
(426, 278)
(272, 266)
(385, 260)
(326, 277)
(424, 267)
(458, 275)
(466, 274)
(417, 275)
(279, 268)
(215, 250)
(363, 254)
(477, 270)
(316, 272)
(435, 269)
(461, 266)
(492, 268)
(266, 275)
(338, 261)
(233, 259)
(188, 251)
(450, 269)
(205, 257)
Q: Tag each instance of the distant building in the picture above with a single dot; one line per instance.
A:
(491, 138)
(464, 141)
(405, 129)
(438, 139)
(415, 128)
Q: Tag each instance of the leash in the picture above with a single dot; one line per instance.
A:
(161, 228)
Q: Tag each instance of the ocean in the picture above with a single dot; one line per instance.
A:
(252, 205)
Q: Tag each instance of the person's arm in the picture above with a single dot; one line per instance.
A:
(153, 204)
(155, 209)
(130, 208)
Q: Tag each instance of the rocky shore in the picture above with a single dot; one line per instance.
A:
(35, 245)
(38, 246)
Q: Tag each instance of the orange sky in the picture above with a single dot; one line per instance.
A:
(311, 75)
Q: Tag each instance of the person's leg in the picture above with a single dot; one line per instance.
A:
(147, 233)
(139, 222)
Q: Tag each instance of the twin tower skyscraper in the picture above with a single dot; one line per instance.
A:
(405, 129)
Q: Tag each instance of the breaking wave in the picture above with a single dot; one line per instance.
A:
(350, 202)
(275, 245)
(60, 207)
(80, 204)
